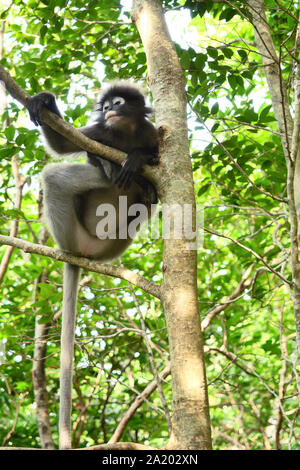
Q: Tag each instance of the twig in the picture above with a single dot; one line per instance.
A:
(15, 223)
(243, 284)
(18, 406)
(235, 163)
(152, 362)
(256, 255)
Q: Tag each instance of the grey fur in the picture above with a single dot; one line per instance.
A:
(71, 279)
(73, 192)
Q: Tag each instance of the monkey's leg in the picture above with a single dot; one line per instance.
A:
(61, 183)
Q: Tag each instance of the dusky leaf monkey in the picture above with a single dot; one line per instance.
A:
(74, 192)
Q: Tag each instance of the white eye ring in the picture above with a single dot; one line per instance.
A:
(105, 106)
(118, 100)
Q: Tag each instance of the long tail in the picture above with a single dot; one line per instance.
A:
(70, 287)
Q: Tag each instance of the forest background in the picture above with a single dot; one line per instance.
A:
(247, 276)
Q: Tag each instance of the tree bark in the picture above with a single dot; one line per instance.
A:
(190, 421)
(40, 384)
(39, 367)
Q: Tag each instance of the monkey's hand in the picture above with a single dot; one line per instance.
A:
(153, 160)
(133, 166)
(36, 105)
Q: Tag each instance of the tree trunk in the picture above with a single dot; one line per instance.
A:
(39, 374)
(190, 421)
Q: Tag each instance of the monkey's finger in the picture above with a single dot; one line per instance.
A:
(35, 118)
(39, 115)
(35, 112)
(128, 180)
(154, 161)
(128, 176)
(32, 118)
(120, 177)
(120, 182)
(124, 179)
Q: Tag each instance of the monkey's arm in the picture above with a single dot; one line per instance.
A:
(56, 141)
(133, 165)
(145, 151)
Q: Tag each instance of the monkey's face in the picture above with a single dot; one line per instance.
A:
(113, 111)
(119, 112)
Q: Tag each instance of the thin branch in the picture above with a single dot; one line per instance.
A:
(15, 223)
(282, 383)
(81, 419)
(241, 123)
(256, 255)
(257, 413)
(296, 129)
(271, 63)
(15, 169)
(230, 439)
(94, 266)
(248, 369)
(41, 332)
(135, 405)
(237, 40)
(235, 163)
(113, 446)
(287, 12)
(152, 362)
(68, 131)
(11, 432)
(243, 284)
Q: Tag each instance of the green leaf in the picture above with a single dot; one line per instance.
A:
(9, 133)
(204, 189)
(212, 52)
(264, 113)
(271, 347)
(185, 60)
(7, 153)
(215, 127)
(227, 14)
(215, 108)
(200, 61)
(228, 53)
(239, 81)
(243, 54)
(232, 81)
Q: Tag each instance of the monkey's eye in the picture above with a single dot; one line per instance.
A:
(118, 101)
(106, 106)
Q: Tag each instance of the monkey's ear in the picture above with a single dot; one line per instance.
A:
(148, 110)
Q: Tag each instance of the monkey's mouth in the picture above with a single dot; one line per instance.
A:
(111, 116)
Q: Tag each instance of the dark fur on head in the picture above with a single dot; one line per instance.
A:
(131, 93)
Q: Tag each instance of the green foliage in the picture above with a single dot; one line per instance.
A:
(238, 166)
(237, 172)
